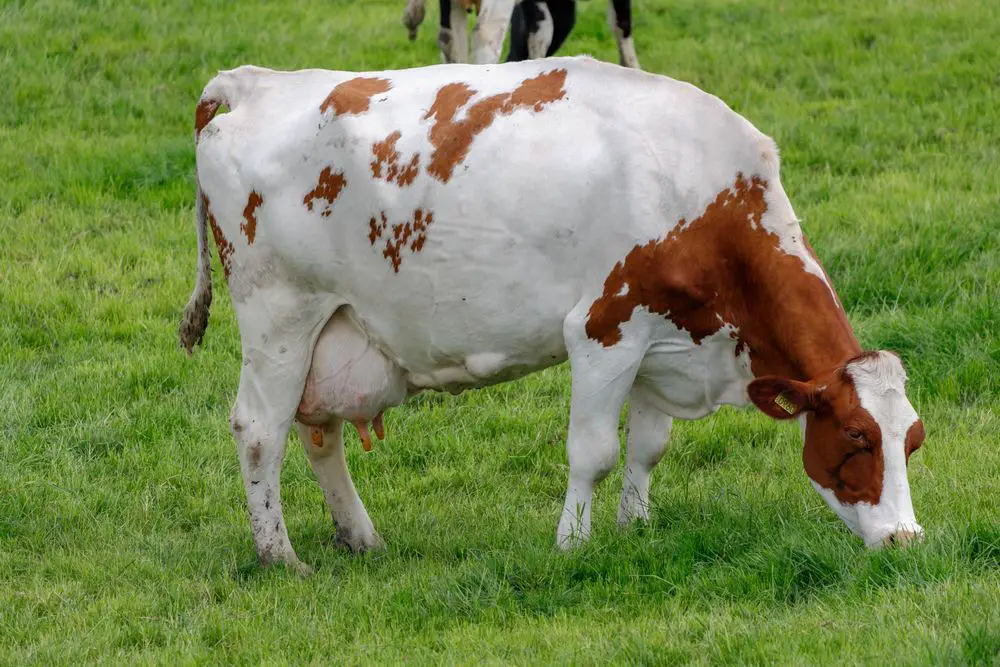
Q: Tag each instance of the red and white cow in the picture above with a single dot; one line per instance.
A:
(454, 226)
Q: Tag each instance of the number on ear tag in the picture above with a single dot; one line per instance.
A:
(782, 401)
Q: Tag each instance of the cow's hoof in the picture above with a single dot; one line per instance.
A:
(293, 564)
(570, 542)
(632, 514)
(359, 545)
(301, 569)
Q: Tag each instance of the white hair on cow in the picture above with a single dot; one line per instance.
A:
(880, 372)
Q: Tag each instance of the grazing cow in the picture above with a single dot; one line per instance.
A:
(452, 227)
(538, 28)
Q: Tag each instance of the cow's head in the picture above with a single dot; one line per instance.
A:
(859, 430)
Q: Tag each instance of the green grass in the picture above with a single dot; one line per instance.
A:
(123, 529)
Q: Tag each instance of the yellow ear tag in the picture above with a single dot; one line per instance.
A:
(781, 400)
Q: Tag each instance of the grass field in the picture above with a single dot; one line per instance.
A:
(123, 528)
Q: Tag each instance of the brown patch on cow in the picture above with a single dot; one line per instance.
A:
(386, 165)
(376, 227)
(725, 268)
(354, 96)
(452, 139)
(203, 115)
(410, 234)
(249, 225)
(741, 345)
(914, 438)
(253, 455)
(470, 5)
(327, 188)
(316, 435)
(843, 445)
(222, 244)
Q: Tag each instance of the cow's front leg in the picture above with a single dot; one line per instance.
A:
(325, 449)
(601, 381)
(648, 435)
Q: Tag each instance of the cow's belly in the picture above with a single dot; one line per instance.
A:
(451, 337)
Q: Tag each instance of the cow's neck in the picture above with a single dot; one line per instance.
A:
(793, 323)
(739, 263)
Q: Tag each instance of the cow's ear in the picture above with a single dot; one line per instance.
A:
(782, 398)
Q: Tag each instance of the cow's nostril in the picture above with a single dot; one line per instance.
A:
(902, 538)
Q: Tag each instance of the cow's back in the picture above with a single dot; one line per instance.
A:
(462, 211)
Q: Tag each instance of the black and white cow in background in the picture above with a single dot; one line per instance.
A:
(538, 28)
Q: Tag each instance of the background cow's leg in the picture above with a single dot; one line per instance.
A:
(329, 463)
(648, 435)
(620, 20)
(541, 37)
(413, 16)
(602, 378)
(490, 30)
(563, 14)
(453, 38)
(523, 22)
(278, 332)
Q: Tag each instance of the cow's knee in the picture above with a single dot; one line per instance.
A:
(593, 454)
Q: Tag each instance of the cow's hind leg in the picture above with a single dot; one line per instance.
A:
(601, 381)
(648, 435)
(620, 20)
(278, 331)
(453, 36)
(523, 24)
(325, 450)
(540, 38)
(490, 30)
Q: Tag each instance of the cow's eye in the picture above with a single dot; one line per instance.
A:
(855, 434)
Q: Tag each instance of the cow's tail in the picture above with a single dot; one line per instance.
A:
(195, 318)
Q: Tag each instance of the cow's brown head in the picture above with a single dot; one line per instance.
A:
(859, 430)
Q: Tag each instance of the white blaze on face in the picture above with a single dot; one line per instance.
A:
(879, 381)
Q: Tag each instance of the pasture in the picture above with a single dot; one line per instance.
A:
(123, 523)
